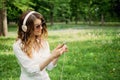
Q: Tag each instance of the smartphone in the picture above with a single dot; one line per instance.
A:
(63, 43)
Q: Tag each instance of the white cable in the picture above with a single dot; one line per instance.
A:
(61, 77)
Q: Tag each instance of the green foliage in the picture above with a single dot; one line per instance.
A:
(69, 10)
(94, 53)
(16, 7)
(0, 3)
(23, 4)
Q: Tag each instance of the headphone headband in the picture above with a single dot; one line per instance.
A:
(27, 16)
(24, 27)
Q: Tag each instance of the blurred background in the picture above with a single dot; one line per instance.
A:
(66, 11)
(91, 29)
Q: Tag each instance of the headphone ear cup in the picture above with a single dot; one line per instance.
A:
(24, 28)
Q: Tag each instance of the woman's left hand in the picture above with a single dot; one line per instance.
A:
(63, 49)
(59, 50)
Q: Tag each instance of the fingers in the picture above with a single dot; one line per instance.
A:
(63, 49)
(59, 46)
(60, 49)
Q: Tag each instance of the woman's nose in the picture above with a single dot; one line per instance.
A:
(41, 27)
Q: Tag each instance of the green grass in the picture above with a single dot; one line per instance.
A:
(94, 53)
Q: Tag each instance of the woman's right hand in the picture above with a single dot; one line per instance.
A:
(59, 50)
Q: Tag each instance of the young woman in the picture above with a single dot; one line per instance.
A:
(32, 49)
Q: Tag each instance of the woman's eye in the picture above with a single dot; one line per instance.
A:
(37, 26)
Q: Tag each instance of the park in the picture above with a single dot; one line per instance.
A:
(90, 30)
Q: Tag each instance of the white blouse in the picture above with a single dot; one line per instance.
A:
(30, 67)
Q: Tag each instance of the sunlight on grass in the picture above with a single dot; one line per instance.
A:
(94, 54)
(79, 35)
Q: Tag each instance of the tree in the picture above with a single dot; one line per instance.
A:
(3, 19)
(62, 10)
(20, 5)
(45, 7)
(115, 10)
(16, 7)
(102, 9)
(87, 10)
(75, 9)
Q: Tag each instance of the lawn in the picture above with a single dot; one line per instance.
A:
(94, 53)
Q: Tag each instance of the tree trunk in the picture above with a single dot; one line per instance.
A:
(66, 21)
(51, 13)
(3, 20)
(51, 18)
(89, 20)
(5, 27)
(102, 19)
(76, 22)
(89, 15)
(76, 19)
(1, 25)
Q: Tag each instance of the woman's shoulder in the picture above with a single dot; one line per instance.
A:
(17, 43)
(45, 42)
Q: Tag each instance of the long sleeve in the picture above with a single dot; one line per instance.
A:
(25, 62)
(50, 65)
(30, 67)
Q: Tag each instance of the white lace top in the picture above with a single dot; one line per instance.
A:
(30, 67)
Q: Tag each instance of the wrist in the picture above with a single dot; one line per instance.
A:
(51, 57)
(55, 55)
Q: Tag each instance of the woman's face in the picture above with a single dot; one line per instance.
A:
(38, 27)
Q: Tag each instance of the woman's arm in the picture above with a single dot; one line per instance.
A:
(28, 64)
(56, 53)
(64, 49)
(55, 61)
(46, 62)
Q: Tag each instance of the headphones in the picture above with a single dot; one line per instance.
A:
(24, 27)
